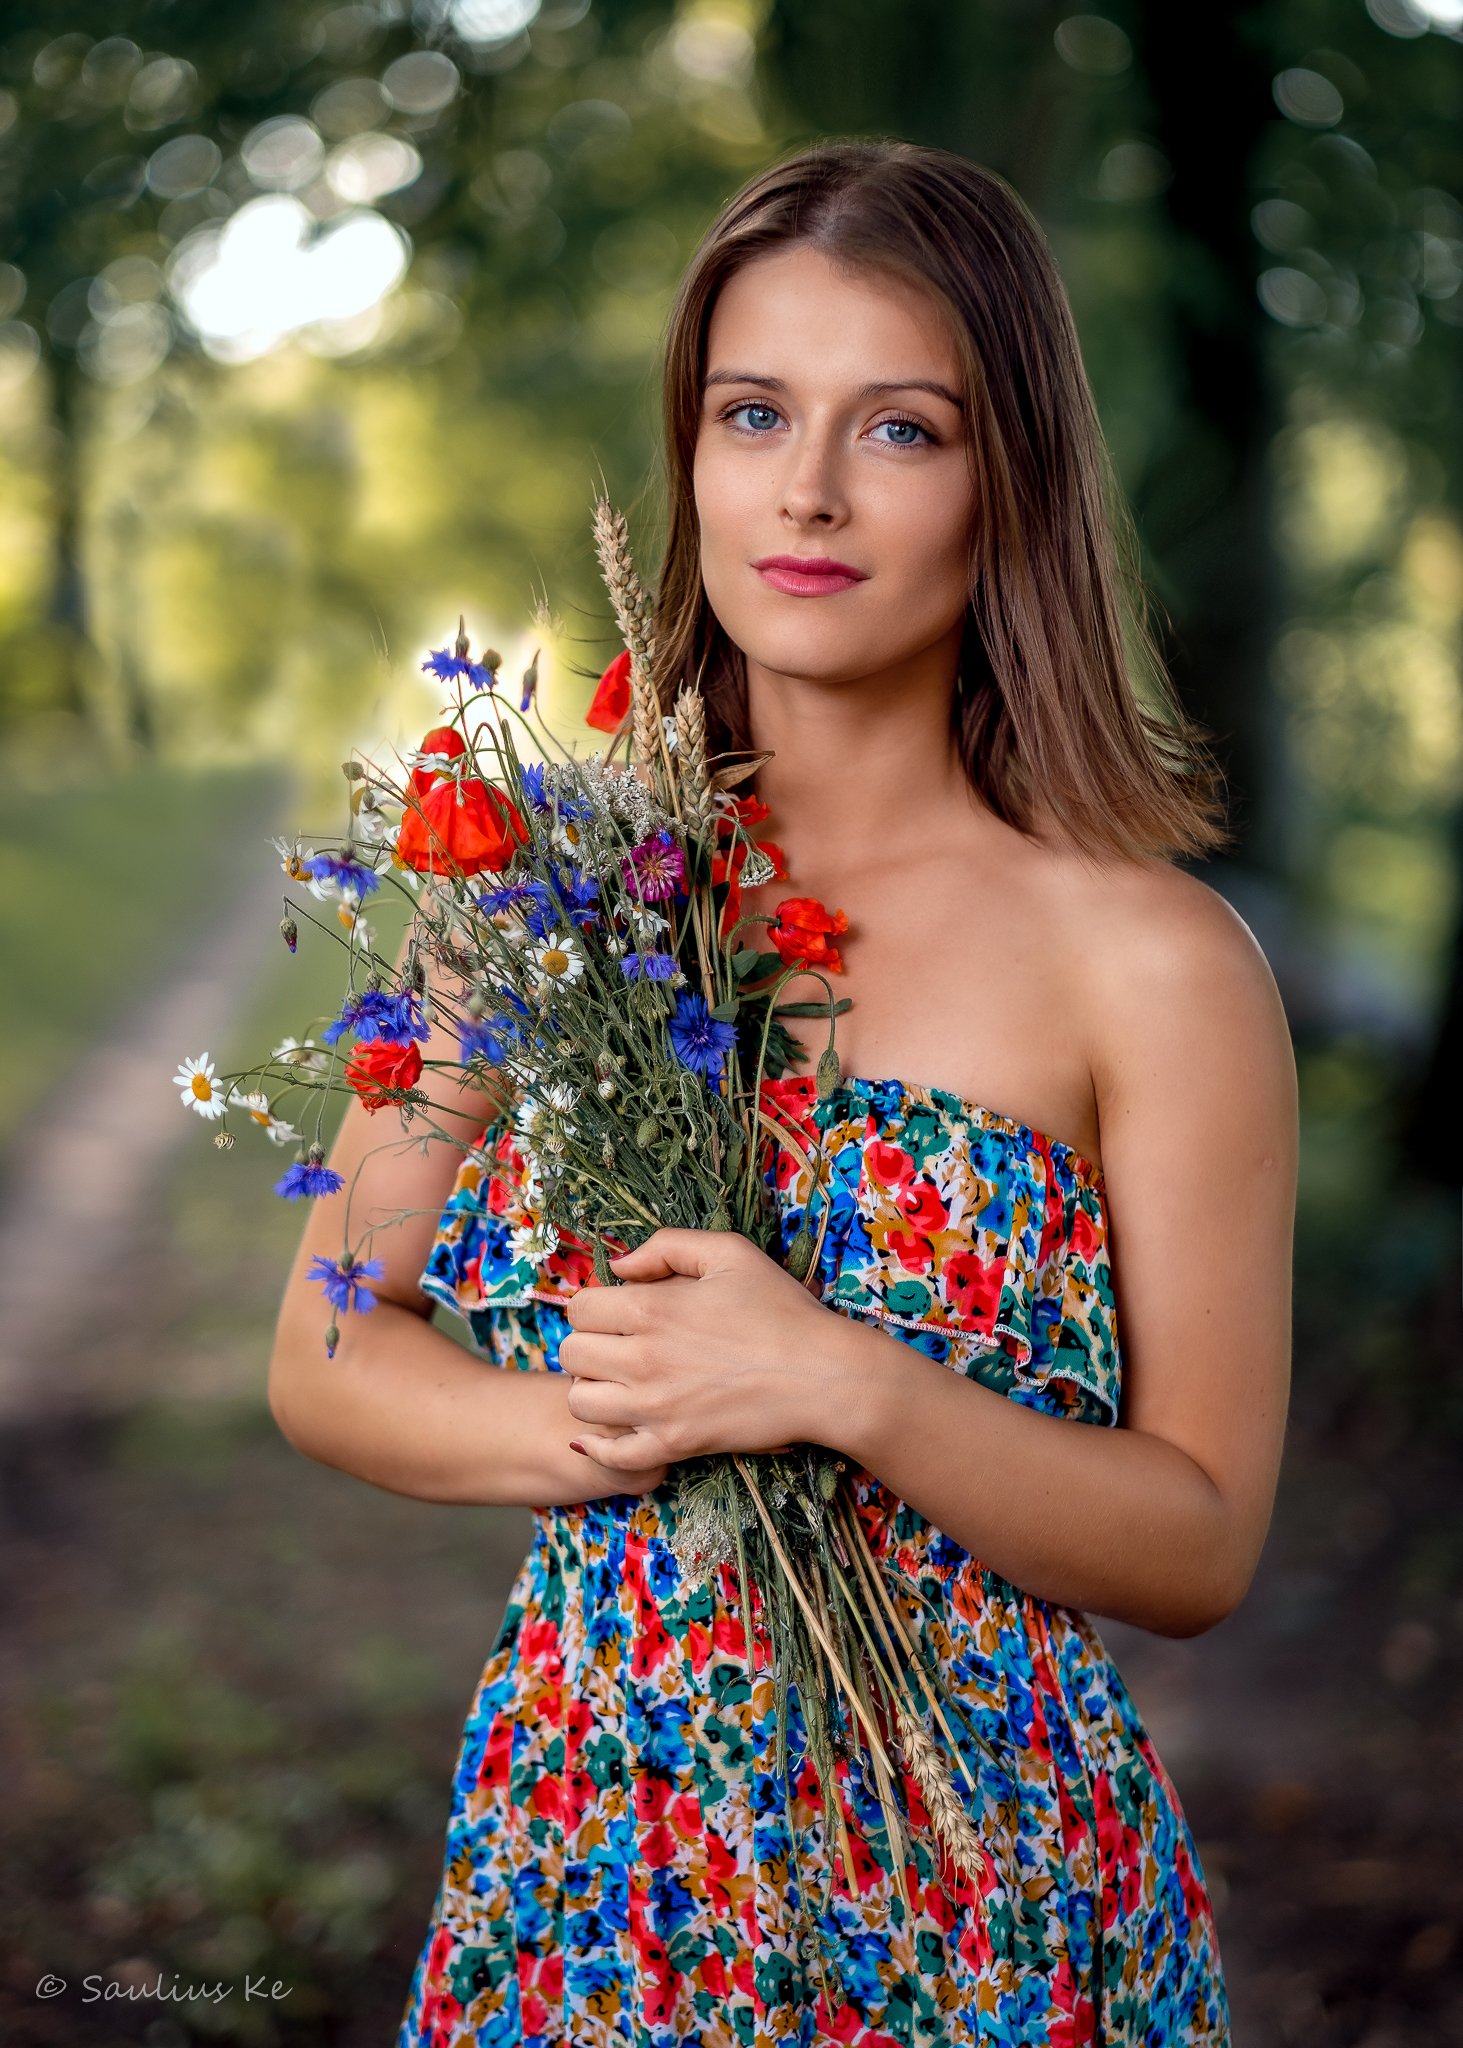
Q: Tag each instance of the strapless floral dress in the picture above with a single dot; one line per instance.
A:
(624, 1865)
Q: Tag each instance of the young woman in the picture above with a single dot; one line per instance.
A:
(897, 560)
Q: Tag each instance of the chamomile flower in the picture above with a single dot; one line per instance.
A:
(295, 858)
(304, 1054)
(200, 1090)
(568, 836)
(256, 1107)
(646, 923)
(557, 957)
(355, 924)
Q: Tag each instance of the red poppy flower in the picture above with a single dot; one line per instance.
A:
(377, 1068)
(611, 699)
(460, 829)
(802, 931)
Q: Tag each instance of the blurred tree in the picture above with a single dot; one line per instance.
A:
(543, 167)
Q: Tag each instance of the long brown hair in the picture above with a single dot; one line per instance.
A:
(1058, 656)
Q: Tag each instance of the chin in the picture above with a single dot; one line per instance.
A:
(816, 656)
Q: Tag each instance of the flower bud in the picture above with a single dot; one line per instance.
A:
(828, 1072)
(224, 1140)
(290, 932)
(800, 1254)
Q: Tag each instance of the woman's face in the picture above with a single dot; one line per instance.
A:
(820, 438)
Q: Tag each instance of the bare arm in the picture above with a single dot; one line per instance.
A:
(401, 1405)
(1159, 1522)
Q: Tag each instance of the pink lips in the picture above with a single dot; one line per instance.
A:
(807, 575)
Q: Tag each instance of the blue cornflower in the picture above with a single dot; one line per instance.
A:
(342, 1281)
(493, 1037)
(699, 1040)
(309, 1176)
(363, 1011)
(648, 966)
(534, 902)
(533, 786)
(400, 1019)
(342, 870)
(577, 890)
(446, 664)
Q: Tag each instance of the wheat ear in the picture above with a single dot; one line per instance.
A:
(695, 775)
(633, 614)
(947, 1815)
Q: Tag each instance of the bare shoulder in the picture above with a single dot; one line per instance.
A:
(1184, 1014)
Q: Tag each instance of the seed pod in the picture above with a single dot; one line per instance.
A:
(646, 1133)
(800, 1253)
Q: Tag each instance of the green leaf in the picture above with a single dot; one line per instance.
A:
(810, 1009)
(726, 1013)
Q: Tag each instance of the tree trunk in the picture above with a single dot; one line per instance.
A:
(1207, 516)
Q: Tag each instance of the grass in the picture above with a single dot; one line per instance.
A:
(100, 888)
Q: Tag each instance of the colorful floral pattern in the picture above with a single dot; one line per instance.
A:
(626, 1864)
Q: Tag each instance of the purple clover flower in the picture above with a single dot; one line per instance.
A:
(655, 867)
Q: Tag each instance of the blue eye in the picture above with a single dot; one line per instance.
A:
(749, 405)
(913, 426)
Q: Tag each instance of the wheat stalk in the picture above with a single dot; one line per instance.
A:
(695, 773)
(947, 1815)
(634, 615)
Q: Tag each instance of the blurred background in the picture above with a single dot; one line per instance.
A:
(320, 324)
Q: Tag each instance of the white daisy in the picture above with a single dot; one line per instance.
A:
(646, 923)
(196, 1079)
(348, 911)
(294, 859)
(303, 1053)
(559, 1095)
(369, 822)
(569, 836)
(256, 1106)
(557, 957)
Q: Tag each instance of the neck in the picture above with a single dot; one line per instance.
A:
(856, 758)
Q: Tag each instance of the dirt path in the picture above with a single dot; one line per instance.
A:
(78, 1183)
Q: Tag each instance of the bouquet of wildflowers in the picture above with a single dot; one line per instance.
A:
(577, 928)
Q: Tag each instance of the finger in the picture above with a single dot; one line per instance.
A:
(635, 1451)
(597, 1355)
(669, 1250)
(606, 1403)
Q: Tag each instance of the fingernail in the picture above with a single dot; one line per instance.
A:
(575, 1446)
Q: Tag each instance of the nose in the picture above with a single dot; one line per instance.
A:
(813, 490)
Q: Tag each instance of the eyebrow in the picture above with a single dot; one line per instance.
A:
(864, 390)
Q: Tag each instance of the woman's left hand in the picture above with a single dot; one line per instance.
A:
(709, 1345)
